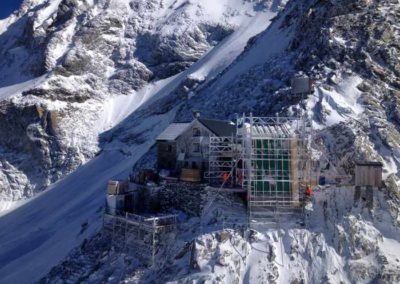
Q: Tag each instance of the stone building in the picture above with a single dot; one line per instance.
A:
(186, 145)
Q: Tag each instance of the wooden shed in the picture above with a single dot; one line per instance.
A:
(368, 173)
(301, 84)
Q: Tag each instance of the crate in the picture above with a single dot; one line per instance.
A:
(190, 175)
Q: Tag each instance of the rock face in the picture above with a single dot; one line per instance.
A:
(82, 54)
(342, 242)
(31, 131)
(350, 49)
(88, 53)
(81, 78)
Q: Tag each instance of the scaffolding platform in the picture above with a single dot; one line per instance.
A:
(269, 158)
(275, 215)
(139, 235)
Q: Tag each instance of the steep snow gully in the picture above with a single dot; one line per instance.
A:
(38, 233)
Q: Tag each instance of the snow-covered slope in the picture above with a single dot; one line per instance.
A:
(119, 72)
(81, 121)
(342, 241)
(91, 64)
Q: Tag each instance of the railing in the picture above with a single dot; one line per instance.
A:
(152, 221)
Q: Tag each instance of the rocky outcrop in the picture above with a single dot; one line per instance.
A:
(33, 154)
(349, 48)
(90, 52)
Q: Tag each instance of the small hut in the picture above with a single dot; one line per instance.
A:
(301, 84)
(368, 173)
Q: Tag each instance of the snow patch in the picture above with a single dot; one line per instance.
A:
(17, 89)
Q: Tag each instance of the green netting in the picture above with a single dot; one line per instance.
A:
(272, 162)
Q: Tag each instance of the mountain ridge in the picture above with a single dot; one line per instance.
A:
(354, 110)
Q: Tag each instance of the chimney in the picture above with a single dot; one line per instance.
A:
(196, 114)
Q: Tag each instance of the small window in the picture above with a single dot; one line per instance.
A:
(196, 132)
(196, 147)
(169, 148)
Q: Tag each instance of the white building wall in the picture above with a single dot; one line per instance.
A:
(186, 143)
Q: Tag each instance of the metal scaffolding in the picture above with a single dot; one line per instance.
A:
(269, 158)
(223, 154)
(276, 161)
(138, 235)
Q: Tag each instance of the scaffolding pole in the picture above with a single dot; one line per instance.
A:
(275, 161)
(139, 235)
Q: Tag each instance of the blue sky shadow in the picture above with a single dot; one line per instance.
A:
(8, 6)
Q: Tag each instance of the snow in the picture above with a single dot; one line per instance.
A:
(116, 109)
(46, 13)
(340, 40)
(225, 53)
(17, 89)
(389, 165)
(6, 205)
(107, 110)
(340, 104)
(340, 243)
(348, 94)
(42, 231)
(217, 59)
(5, 23)
(60, 45)
(391, 247)
(271, 43)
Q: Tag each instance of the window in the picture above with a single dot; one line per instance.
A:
(169, 148)
(196, 147)
(196, 132)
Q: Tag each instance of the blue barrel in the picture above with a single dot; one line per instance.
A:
(322, 180)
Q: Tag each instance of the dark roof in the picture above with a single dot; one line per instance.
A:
(369, 163)
(219, 127)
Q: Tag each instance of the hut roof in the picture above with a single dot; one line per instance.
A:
(369, 163)
(173, 131)
(221, 128)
